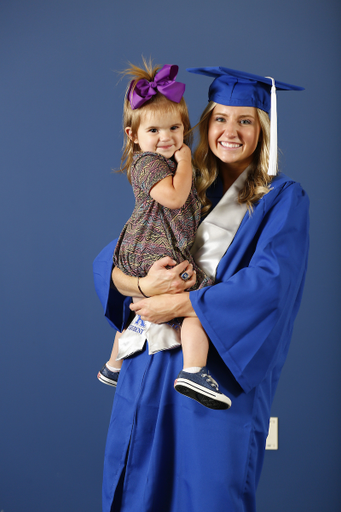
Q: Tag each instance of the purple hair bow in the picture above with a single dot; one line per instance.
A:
(164, 83)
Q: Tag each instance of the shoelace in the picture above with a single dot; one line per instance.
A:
(211, 381)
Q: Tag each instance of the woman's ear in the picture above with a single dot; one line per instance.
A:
(130, 134)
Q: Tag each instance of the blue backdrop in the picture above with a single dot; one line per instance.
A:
(60, 123)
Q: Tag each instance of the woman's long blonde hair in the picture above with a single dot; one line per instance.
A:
(257, 183)
(158, 102)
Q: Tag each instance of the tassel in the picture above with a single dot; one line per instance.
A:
(272, 170)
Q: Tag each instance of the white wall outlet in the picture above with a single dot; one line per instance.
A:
(272, 439)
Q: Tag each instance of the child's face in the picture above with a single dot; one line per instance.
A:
(159, 132)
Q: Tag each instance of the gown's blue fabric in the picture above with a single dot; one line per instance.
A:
(167, 453)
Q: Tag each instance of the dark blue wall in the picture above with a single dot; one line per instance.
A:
(60, 114)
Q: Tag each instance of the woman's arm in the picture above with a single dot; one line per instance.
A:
(162, 308)
(115, 305)
(249, 313)
(160, 279)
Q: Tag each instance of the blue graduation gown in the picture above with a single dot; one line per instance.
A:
(167, 453)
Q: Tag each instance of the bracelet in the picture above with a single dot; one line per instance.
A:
(138, 285)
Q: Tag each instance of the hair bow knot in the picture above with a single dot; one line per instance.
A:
(164, 83)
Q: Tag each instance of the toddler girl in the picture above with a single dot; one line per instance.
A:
(166, 214)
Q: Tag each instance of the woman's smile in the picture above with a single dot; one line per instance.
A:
(229, 145)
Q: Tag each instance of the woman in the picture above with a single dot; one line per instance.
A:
(165, 453)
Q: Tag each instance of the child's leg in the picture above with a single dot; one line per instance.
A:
(112, 361)
(109, 373)
(194, 342)
(195, 380)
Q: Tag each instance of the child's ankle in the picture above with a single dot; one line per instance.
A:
(192, 369)
(112, 368)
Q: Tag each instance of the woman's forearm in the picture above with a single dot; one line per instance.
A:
(162, 308)
(163, 277)
(126, 285)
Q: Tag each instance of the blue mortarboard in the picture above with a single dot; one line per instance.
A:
(239, 89)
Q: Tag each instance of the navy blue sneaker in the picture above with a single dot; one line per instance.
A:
(202, 388)
(108, 377)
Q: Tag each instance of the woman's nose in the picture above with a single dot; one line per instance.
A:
(230, 130)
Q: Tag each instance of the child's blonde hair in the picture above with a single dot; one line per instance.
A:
(132, 118)
(257, 183)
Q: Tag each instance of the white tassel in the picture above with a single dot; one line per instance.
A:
(272, 171)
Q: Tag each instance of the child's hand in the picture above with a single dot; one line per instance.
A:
(184, 153)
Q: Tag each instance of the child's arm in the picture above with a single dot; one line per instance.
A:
(173, 191)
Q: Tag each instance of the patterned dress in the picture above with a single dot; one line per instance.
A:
(154, 231)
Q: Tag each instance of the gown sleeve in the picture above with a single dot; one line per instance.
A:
(115, 306)
(249, 313)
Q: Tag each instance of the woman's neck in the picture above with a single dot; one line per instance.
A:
(229, 175)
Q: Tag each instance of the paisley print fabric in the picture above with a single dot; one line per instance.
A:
(154, 231)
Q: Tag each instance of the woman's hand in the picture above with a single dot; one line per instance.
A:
(162, 308)
(163, 277)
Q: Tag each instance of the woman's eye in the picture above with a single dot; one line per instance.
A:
(220, 119)
(246, 121)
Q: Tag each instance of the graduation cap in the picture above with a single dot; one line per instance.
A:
(239, 89)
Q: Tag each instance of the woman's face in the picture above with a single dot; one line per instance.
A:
(233, 134)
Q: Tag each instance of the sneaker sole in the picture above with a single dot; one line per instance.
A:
(202, 395)
(105, 380)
